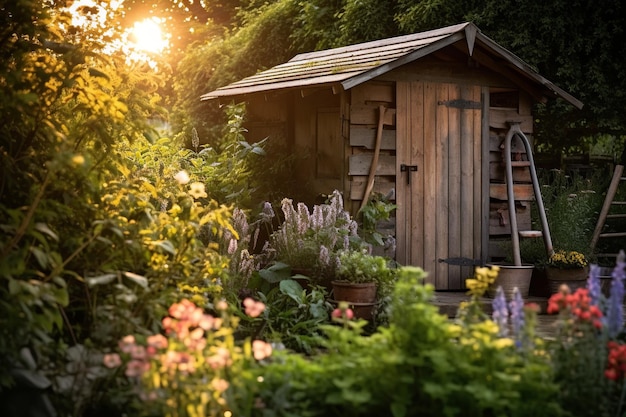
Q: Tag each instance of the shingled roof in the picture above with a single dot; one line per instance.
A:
(352, 65)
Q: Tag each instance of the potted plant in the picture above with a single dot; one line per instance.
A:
(362, 279)
(309, 241)
(567, 267)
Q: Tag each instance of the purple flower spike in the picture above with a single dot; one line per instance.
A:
(615, 314)
(594, 285)
(500, 313)
(517, 315)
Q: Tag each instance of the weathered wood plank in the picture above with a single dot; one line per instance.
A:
(428, 218)
(442, 207)
(368, 115)
(478, 178)
(484, 158)
(403, 210)
(417, 178)
(496, 144)
(365, 136)
(382, 185)
(499, 118)
(372, 92)
(499, 222)
(522, 192)
(360, 164)
(329, 160)
(454, 187)
(497, 172)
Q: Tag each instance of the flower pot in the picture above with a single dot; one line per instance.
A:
(574, 278)
(361, 297)
(510, 277)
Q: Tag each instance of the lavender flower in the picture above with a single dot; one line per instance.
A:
(288, 210)
(516, 305)
(195, 139)
(615, 313)
(353, 227)
(246, 265)
(324, 256)
(594, 286)
(232, 246)
(268, 212)
(240, 222)
(500, 313)
(317, 218)
(303, 218)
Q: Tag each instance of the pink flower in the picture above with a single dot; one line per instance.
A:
(138, 352)
(157, 341)
(261, 350)
(219, 384)
(206, 322)
(341, 313)
(253, 308)
(112, 360)
(127, 343)
(136, 368)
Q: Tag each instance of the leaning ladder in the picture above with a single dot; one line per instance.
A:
(515, 131)
(608, 204)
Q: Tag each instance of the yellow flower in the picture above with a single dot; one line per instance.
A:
(483, 278)
(196, 190)
(567, 259)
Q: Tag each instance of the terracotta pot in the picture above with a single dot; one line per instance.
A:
(360, 297)
(574, 278)
(510, 277)
(358, 293)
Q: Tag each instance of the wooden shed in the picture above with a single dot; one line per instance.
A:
(431, 110)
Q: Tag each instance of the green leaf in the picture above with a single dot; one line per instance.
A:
(276, 273)
(137, 279)
(41, 256)
(292, 289)
(166, 245)
(44, 228)
(100, 280)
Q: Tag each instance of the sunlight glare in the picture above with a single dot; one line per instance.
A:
(147, 36)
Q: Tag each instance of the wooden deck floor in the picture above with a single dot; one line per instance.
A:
(448, 303)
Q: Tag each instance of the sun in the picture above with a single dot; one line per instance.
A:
(146, 36)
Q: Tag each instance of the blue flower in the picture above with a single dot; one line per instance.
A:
(516, 305)
(594, 285)
(500, 313)
(615, 314)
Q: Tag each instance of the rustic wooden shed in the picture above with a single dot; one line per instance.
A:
(439, 103)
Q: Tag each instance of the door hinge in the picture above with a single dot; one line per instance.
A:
(461, 104)
(461, 261)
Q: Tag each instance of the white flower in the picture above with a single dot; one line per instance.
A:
(182, 177)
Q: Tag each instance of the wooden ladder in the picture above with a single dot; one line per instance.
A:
(609, 203)
(514, 131)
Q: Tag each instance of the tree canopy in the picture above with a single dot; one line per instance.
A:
(576, 44)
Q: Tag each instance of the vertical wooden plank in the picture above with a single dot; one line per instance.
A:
(441, 173)
(454, 187)
(402, 132)
(429, 178)
(419, 126)
(478, 129)
(467, 184)
(485, 176)
(329, 144)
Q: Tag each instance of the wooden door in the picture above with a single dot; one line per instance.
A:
(439, 180)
